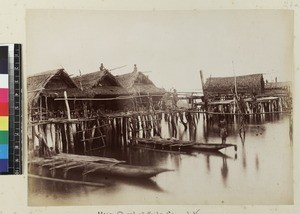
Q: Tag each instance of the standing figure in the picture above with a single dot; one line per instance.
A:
(223, 129)
(102, 68)
(174, 98)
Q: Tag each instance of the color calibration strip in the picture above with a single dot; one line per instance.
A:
(10, 109)
(4, 109)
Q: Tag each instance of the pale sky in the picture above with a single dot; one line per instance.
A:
(171, 46)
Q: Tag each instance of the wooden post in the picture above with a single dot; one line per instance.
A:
(100, 132)
(159, 123)
(46, 102)
(134, 125)
(173, 123)
(149, 125)
(83, 127)
(202, 82)
(119, 137)
(70, 125)
(166, 116)
(205, 100)
(154, 122)
(141, 125)
(182, 121)
(57, 138)
(67, 105)
(41, 108)
(65, 137)
(125, 131)
(113, 132)
(108, 132)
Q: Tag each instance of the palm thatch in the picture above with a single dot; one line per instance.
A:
(138, 83)
(57, 80)
(100, 84)
(247, 84)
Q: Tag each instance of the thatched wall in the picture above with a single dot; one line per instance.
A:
(247, 84)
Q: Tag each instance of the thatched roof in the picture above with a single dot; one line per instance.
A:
(247, 84)
(138, 83)
(95, 79)
(57, 79)
(100, 83)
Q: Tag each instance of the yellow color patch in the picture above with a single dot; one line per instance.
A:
(4, 123)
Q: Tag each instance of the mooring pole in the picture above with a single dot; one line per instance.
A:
(204, 95)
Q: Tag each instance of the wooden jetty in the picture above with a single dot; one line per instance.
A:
(173, 144)
(85, 165)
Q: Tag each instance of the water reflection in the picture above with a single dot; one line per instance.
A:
(198, 177)
(224, 171)
(244, 156)
(257, 162)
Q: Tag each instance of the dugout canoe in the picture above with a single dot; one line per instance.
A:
(68, 163)
(210, 146)
(173, 144)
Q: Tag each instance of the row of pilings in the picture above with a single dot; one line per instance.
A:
(86, 135)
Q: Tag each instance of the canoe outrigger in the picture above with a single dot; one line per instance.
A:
(85, 165)
(179, 145)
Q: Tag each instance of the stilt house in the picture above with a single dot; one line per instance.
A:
(104, 91)
(42, 90)
(139, 85)
(225, 86)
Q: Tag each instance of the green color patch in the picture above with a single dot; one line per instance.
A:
(3, 137)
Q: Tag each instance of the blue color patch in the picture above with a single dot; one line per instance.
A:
(3, 165)
(3, 151)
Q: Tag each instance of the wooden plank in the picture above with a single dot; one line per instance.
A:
(73, 167)
(63, 165)
(53, 163)
(101, 136)
(93, 128)
(39, 160)
(84, 158)
(98, 148)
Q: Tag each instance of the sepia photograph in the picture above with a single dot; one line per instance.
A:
(190, 107)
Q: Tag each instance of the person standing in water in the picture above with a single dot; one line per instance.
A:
(223, 129)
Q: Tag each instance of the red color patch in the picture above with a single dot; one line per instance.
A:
(4, 109)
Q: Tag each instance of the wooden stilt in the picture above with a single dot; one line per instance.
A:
(124, 123)
(71, 137)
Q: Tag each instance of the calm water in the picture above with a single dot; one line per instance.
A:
(260, 172)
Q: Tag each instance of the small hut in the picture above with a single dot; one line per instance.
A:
(138, 84)
(105, 88)
(222, 86)
(43, 88)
